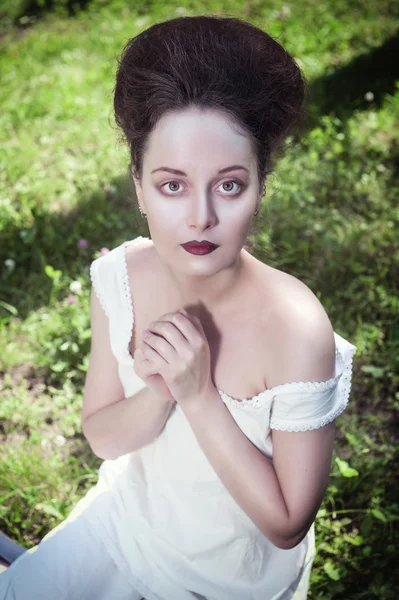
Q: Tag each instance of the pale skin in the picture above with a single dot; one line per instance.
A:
(281, 497)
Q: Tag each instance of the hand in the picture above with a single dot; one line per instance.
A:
(178, 349)
(148, 373)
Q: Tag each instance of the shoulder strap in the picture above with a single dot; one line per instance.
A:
(103, 278)
(110, 279)
(108, 274)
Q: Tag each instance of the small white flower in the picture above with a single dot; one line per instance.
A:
(59, 440)
(369, 96)
(10, 264)
(75, 287)
(381, 168)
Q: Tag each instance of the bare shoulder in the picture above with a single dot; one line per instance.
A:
(300, 331)
(296, 301)
(139, 256)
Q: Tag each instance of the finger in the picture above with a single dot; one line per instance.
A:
(194, 319)
(177, 329)
(163, 337)
(157, 359)
(142, 366)
(187, 318)
(176, 312)
(148, 368)
(145, 369)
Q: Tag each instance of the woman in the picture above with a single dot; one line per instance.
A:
(217, 425)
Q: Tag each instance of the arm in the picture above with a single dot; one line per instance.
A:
(282, 498)
(112, 424)
(126, 425)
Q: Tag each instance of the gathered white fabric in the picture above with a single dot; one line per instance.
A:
(170, 524)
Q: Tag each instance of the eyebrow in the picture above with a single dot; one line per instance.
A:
(178, 172)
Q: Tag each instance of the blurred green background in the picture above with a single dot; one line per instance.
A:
(330, 217)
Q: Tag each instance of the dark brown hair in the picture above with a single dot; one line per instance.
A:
(216, 62)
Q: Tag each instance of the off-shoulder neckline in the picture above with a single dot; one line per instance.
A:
(303, 386)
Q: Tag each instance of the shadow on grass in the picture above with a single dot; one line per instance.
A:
(104, 219)
(343, 92)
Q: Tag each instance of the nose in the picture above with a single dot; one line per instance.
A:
(201, 211)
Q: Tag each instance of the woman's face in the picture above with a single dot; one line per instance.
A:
(199, 203)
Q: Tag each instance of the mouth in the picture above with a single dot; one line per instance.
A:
(195, 247)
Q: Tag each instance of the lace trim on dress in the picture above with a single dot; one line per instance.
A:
(127, 294)
(96, 286)
(302, 386)
(344, 399)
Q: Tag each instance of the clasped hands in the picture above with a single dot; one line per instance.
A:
(176, 347)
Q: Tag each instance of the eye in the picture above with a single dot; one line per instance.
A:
(168, 183)
(232, 181)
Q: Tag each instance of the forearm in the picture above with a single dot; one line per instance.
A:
(127, 425)
(246, 473)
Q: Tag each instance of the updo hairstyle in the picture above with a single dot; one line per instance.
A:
(215, 62)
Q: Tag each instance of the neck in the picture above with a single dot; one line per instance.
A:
(214, 292)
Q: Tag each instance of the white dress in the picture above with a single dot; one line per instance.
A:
(168, 522)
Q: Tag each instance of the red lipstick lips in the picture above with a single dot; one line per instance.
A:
(195, 247)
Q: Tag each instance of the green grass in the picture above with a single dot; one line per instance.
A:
(330, 217)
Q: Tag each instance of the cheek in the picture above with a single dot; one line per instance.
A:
(164, 213)
(241, 221)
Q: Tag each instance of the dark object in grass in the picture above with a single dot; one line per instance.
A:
(9, 550)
